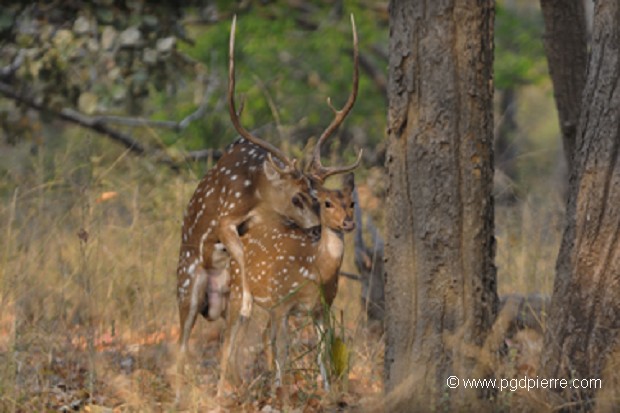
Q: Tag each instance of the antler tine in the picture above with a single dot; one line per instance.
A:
(234, 117)
(339, 115)
(323, 173)
(287, 169)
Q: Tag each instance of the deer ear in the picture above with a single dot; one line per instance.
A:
(270, 172)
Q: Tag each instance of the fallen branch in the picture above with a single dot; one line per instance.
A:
(351, 276)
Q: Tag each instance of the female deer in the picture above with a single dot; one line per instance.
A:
(290, 270)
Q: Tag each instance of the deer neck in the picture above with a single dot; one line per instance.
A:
(330, 252)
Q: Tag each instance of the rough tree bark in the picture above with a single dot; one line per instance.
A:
(441, 279)
(584, 322)
(567, 56)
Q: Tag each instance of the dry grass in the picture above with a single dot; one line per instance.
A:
(89, 256)
(90, 242)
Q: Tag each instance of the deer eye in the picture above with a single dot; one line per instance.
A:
(352, 205)
(328, 204)
(297, 201)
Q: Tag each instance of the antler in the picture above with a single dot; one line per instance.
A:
(234, 117)
(316, 168)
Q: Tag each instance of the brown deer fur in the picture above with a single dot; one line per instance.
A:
(241, 182)
(289, 269)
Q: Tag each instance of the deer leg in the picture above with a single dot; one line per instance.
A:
(270, 349)
(221, 385)
(230, 339)
(279, 354)
(196, 303)
(279, 345)
(217, 287)
(322, 352)
(188, 311)
(230, 238)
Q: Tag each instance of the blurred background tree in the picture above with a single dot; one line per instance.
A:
(519, 62)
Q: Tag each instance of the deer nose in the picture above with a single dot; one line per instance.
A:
(348, 225)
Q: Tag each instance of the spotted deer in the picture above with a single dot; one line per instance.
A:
(226, 197)
(251, 176)
(289, 270)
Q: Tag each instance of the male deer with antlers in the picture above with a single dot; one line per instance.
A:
(289, 270)
(251, 176)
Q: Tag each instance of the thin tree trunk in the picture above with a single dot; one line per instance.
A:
(567, 56)
(441, 280)
(584, 318)
(505, 145)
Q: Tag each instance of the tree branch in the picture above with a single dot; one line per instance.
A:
(8, 70)
(169, 124)
(351, 276)
(73, 116)
(135, 147)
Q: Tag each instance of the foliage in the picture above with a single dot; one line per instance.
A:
(135, 58)
(519, 52)
(92, 55)
(288, 61)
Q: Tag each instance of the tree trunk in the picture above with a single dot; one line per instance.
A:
(584, 318)
(567, 56)
(441, 280)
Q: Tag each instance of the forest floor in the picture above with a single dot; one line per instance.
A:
(75, 370)
(88, 316)
(89, 320)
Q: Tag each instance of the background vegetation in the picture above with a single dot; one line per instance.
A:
(90, 230)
